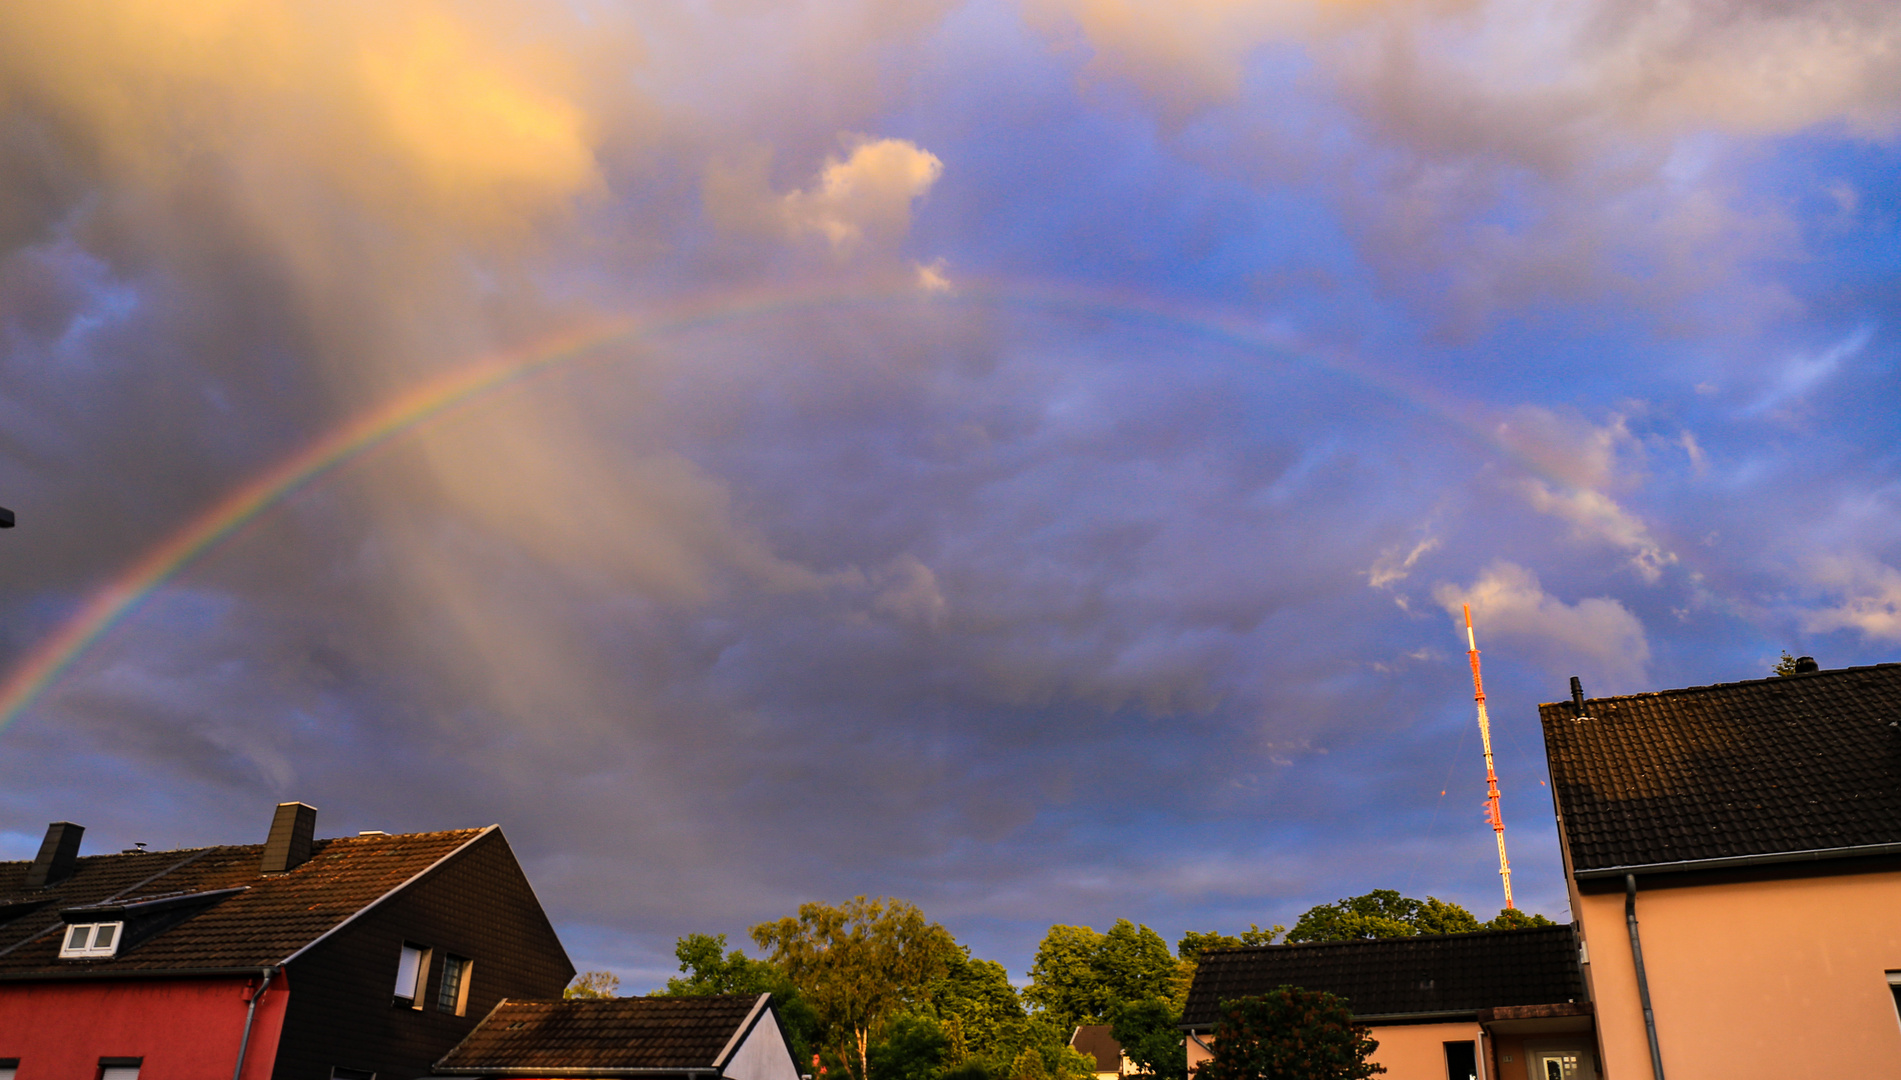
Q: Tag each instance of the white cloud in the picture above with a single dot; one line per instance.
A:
(867, 194)
(1804, 372)
(1871, 598)
(1596, 516)
(1391, 566)
(1598, 636)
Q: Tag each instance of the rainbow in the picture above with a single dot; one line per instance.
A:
(124, 594)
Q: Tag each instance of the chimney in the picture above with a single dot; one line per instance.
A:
(288, 846)
(59, 854)
(1806, 664)
(1577, 695)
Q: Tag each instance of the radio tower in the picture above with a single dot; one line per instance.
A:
(1491, 777)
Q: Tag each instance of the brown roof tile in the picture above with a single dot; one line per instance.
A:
(1797, 763)
(272, 918)
(607, 1033)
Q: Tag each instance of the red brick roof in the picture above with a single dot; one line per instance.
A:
(271, 919)
(1738, 770)
(665, 1034)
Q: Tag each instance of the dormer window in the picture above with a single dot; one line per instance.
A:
(90, 941)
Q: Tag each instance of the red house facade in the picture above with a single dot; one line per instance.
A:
(304, 959)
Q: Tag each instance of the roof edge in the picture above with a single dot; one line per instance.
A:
(723, 1058)
(121, 973)
(411, 880)
(1733, 861)
(1778, 679)
(1375, 1019)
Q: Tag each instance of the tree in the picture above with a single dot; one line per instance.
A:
(1080, 976)
(1514, 919)
(978, 1007)
(593, 984)
(706, 969)
(858, 963)
(914, 1047)
(1289, 1034)
(1784, 666)
(1149, 1036)
(1382, 913)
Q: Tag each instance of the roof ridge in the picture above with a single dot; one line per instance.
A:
(1778, 679)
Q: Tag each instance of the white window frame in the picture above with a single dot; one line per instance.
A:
(90, 951)
(420, 983)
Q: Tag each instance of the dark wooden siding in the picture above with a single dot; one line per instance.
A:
(477, 905)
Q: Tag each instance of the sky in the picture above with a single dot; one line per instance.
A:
(1027, 459)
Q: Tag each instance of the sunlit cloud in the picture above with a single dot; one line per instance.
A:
(1597, 635)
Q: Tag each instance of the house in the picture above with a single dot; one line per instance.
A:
(1097, 1042)
(350, 958)
(1733, 854)
(1493, 1004)
(727, 1037)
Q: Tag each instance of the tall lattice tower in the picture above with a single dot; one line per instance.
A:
(1492, 813)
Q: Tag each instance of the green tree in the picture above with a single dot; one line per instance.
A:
(1149, 1036)
(977, 1005)
(914, 1047)
(1514, 919)
(593, 984)
(1080, 976)
(1194, 943)
(858, 964)
(1289, 1034)
(1382, 913)
(707, 969)
(1784, 666)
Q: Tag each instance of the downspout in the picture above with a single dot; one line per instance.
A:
(250, 1014)
(1643, 983)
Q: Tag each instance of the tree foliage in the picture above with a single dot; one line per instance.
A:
(1382, 913)
(1080, 976)
(1149, 1037)
(1514, 919)
(1289, 1034)
(859, 964)
(707, 968)
(1785, 665)
(593, 984)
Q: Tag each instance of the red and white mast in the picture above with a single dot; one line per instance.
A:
(1492, 813)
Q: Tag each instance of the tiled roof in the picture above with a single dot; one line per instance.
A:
(1438, 973)
(1099, 1042)
(273, 917)
(1797, 763)
(601, 1033)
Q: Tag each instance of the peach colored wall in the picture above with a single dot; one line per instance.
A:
(1418, 1051)
(1783, 978)
(1409, 1051)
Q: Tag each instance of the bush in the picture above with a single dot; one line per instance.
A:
(1289, 1034)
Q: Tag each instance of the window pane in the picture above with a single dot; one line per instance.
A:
(407, 970)
(103, 939)
(452, 968)
(76, 937)
(119, 1072)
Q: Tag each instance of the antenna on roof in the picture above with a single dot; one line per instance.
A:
(1492, 813)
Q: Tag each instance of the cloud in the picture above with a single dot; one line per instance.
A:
(1597, 636)
(1803, 372)
(1871, 598)
(1596, 516)
(1391, 566)
(860, 201)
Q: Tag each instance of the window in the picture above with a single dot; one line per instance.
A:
(341, 1073)
(412, 974)
(119, 1068)
(90, 940)
(8, 1067)
(1894, 987)
(453, 997)
(1462, 1061)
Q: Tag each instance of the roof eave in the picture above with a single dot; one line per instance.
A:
(1772, 858)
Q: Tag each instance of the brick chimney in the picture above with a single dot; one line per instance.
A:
(288, 846)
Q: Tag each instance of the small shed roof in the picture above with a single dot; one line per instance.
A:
(607, 1036)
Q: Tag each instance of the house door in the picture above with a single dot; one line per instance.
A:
(1560, 1063)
